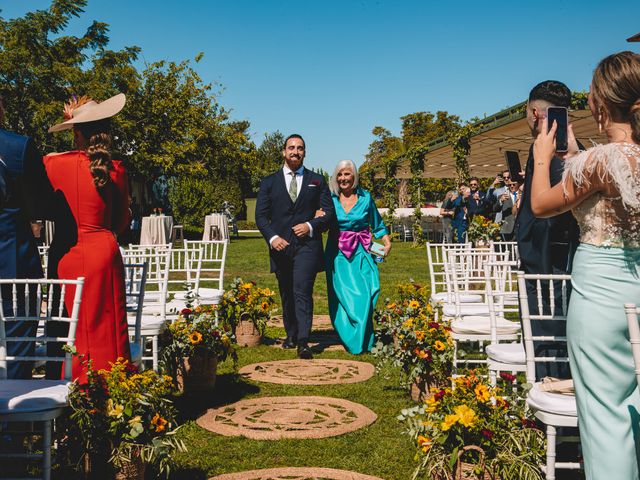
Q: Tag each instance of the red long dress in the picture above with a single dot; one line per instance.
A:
(85, 245)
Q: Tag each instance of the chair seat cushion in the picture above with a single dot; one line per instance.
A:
(510, 353)
(556, 403)
(150, 324)
(210, 293)
(464, 297)
(24, 396)
(449, 309)
(480, 325)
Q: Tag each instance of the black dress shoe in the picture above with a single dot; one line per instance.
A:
(288, 344)
(304, 352)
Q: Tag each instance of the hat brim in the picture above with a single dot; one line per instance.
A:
(100, 111)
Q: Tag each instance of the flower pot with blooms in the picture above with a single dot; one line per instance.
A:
(421, 346)
(474, 431)
(481, 231)
(122, 419)
(247, 308)
(195, 342)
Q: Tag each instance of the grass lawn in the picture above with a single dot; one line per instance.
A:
(380, 449)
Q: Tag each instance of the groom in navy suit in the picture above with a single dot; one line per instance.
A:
(285, 214)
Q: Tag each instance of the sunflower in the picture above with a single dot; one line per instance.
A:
(438, 345)
(414, 304)
(195, 338)
(264, 305)
(158, 422)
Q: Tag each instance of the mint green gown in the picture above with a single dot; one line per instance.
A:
(605, 276)
(353, 284)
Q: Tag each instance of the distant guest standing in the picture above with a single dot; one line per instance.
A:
(285, 209)
(458, 204)
(353, 282)
(446, 217)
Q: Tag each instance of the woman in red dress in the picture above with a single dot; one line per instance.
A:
(90, 207)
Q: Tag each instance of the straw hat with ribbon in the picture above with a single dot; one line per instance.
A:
(83, 110)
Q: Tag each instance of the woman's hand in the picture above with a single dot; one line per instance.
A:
(572, 143)
(387, 245)
(544, 148)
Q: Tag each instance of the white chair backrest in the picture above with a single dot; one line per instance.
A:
(33, 300)
(43, 250)
(511, 247)
(157, 273)
(550, 309)
(633, 315)
(185, 267)
(501, 288)
(214, 257)
(436, 256)
(135, 275)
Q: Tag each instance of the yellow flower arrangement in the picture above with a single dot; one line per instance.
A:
(246, 301)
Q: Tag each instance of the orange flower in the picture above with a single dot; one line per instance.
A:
(158, 422)
(195, 338)
(424, 443)
(265, 305)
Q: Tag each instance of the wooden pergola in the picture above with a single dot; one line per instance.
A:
(506, 130)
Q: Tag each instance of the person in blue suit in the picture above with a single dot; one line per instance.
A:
(285, 215)
(23, 185)
(353, 283)
(458, 204)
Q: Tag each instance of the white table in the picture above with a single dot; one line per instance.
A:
(156, 230)
(216, 220)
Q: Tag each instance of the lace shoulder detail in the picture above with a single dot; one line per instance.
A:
(607, 161)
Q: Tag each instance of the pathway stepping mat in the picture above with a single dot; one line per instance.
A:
(295, 473)
(276, 418)
(309, 372)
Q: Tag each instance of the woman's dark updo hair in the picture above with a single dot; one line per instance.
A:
(98, 150)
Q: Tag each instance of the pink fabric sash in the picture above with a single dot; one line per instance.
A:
(348, 241)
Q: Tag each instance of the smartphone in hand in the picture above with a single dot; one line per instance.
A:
(513, 163)
(561, 116)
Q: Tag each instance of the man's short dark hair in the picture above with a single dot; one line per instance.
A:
(463, 184)
(293, 135)
(474, 179)
(552, 91)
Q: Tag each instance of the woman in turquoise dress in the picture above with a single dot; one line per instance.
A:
(602, 188)
(353, 283)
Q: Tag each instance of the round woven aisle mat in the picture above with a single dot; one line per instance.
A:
(309, 372)
(320, 322)
(276, 418)
(293, 473)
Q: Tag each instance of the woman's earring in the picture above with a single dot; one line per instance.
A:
(600, 123)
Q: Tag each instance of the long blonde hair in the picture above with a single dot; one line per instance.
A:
(616, 89)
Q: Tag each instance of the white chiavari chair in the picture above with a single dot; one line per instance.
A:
(551, 408)
(510, 247)
(36, 400)
(214, 257)
(135, 275)
(436, 256)
(43, 251)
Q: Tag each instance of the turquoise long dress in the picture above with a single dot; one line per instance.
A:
(605, 276)
(353, 284)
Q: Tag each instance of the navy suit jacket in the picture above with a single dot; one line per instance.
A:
(276, 214)
(26, 184)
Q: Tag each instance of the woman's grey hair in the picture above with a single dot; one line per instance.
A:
(333, 181)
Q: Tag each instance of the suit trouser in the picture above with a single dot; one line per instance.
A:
(296, 276)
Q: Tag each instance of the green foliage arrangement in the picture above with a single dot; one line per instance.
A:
(474, 414)
(124, 414)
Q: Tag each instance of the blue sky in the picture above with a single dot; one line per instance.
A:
(331, 70)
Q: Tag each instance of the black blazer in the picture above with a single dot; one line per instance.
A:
(535, 236)
(276, 214)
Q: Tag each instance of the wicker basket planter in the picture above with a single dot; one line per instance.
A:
(421, 388)
(197, 373)
(247, 335)
(466, 471)
(133, 470)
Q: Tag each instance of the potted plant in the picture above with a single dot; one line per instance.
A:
(421, 346)
(120, 421)
(481, 231)
(474, 431)
(195, 342)
(247, 308)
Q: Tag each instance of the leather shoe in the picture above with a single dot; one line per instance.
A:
(304, 352)
(288, 344)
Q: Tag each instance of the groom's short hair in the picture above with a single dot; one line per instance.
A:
(293, 135)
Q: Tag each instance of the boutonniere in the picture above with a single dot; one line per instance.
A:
(314, 183)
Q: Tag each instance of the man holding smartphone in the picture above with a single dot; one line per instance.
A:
(546, 245)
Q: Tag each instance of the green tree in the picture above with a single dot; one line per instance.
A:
(419, 128)
(268, 159)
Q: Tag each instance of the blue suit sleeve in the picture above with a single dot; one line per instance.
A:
(4, 191)
(378, 228)
(263, 210)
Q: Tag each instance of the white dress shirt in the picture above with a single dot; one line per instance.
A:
(286, 171)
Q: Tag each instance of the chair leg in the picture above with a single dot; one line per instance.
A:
(551, 452)
(154, 352)
(46, 450)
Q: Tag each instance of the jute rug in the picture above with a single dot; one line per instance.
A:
(320, 322)
(294, 473)
(309, 372)
(276, 418)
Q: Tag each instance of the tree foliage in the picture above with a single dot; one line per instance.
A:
(267, 159)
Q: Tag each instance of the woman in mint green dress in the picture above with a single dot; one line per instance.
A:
(353, 283)
(602, 188)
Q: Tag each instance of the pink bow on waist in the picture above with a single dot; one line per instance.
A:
(348, 241)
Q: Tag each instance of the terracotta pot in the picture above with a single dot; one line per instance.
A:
(421, 388)
(247, 335)
(197, 373)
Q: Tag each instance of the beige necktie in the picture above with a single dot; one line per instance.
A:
(293, 187)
